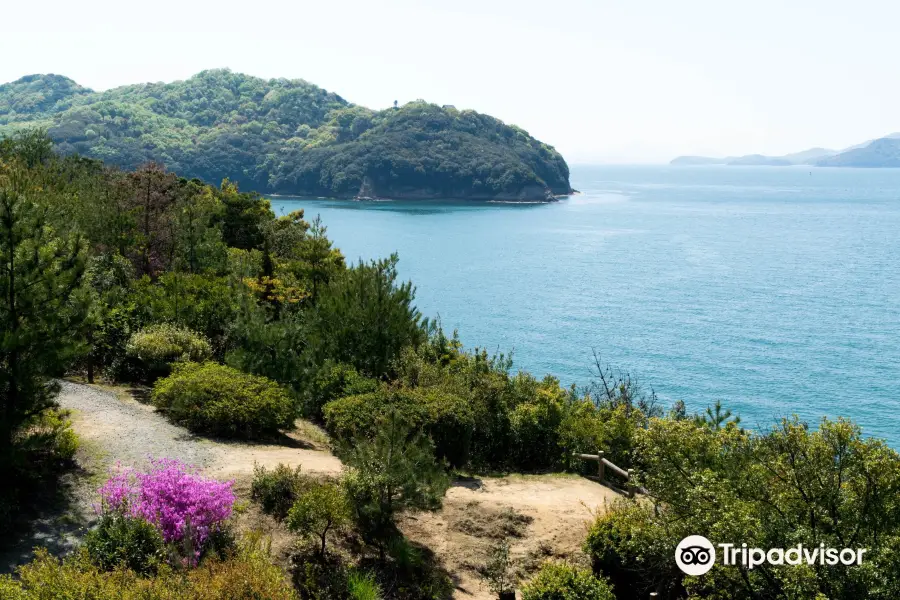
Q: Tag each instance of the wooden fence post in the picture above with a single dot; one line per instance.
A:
(601, 468)
(630, 483)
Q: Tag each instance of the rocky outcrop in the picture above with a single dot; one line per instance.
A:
(530, 193)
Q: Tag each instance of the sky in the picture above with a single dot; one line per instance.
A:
(624, 81)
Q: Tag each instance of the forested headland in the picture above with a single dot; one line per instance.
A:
(288, 137)
(240, 323)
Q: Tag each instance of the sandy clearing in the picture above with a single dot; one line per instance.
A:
(559, 508)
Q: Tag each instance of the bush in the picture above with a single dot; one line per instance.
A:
(558, 581)
(124, 541)
(535, 426)
(322, 508)
(413, 572)
(247, 575)
(48, 438)
(277, 490)
(321, 577)
(498, 571)
(183, 505)
(445, 417)
(362, 586)
(155, 348)
(202, 303)
(215, 399)
(333, 381)
(627, 545)
(42, 450)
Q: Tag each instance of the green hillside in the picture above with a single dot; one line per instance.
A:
(289, 137)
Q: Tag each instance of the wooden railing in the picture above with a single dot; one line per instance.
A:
(604, 465)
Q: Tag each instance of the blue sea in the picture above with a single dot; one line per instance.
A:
(774, 290)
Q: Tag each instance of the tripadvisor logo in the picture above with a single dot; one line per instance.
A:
(696, 555)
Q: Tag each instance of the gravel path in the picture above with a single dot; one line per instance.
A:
(122, 430)
(126, 431)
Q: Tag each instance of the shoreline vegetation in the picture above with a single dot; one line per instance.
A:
(239, 323)
(290, 137)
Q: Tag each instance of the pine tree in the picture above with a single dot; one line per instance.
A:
(365, 318)
(397, 470)
(41, 304)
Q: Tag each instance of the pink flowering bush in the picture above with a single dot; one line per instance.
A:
(185, 506)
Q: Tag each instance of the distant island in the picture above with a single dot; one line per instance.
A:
(881, 152)
(289, 137)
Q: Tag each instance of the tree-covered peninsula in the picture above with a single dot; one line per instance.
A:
(288, 137)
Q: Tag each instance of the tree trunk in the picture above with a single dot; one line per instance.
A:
(90, 356)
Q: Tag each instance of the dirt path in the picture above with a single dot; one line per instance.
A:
(543, 516)
(126, 431)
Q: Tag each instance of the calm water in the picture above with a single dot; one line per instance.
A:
(776, 290)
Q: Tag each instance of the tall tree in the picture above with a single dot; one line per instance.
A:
(154, 192)
(40, 307)
(364, 318)
(199, 245)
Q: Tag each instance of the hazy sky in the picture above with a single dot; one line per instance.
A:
(603, 81)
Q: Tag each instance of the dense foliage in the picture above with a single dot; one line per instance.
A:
(43, 308)
(158, 346)
(277, 490)
(247, 575)
(323, 507)
(288, 136)
(776, 489)
(216, 399)
(123, 541)
(394, 471)
(557, 581)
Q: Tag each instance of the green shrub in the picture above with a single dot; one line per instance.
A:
(121, 541)
(353, 417)
(156, 347)
(215, 399)
(558, 581)
(449, 421)
(413, 572)
(362, 586)
(394, 471)
(498, 572)
(246, 575)
(445, 417)
(582, 431)
(202, 303)
(333, 381)
(320, 577)
(628, 545)
(364, 318)
(277, 490)
(48, 438)
(535, 426)
(320, 509)
(42, 450)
